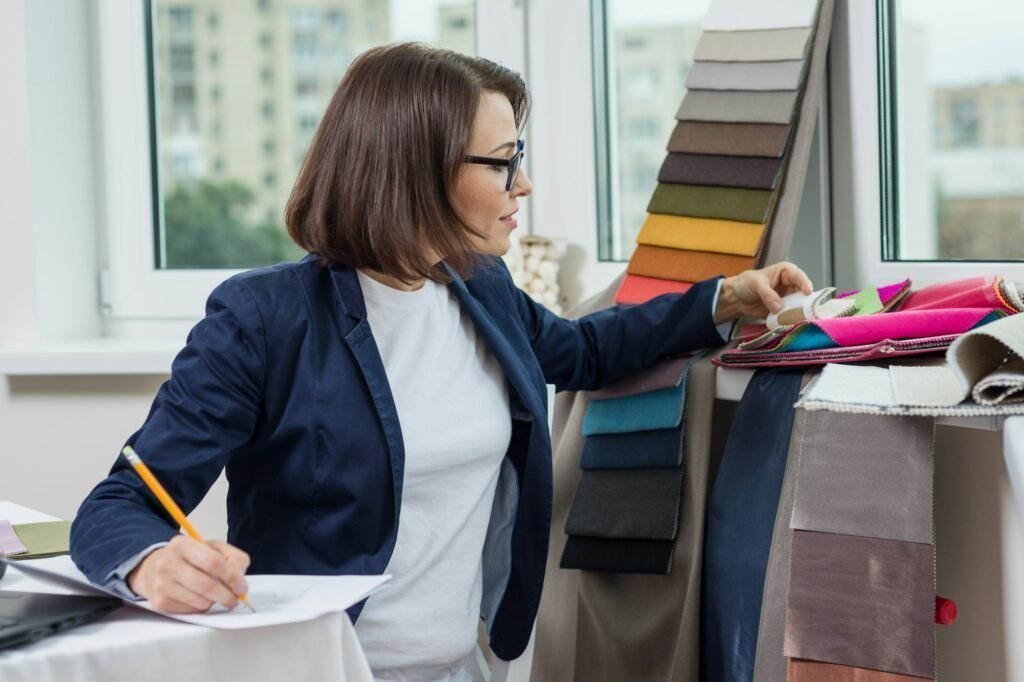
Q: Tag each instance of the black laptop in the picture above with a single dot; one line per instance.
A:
(28, 616)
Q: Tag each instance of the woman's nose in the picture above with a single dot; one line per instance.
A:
(523, 186)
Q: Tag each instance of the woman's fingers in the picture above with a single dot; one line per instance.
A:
(764, 290)
(211, 562)
(195, 587)
(234, 556)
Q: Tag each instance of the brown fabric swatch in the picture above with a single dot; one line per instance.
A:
(816, 671)
(749, 172)
(685, 266)
(862, 602)
(753, 46)
(725, 203)
(738, 107)
(730, 139)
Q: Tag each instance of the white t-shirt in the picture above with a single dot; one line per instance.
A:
(453, 407)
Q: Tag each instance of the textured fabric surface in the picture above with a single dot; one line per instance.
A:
(729, 139)
(925, 385)
(701, 234)
(684, 266)
(738, 537)
(656, 448)
(652, 632)
(866, 475)
(627, 504)
(862, 602)
(754, 15)
(753, 46)
(665, 374)
(816, 671)
(661, 409)
(634, 289)
(738, 107)
(750, 172)
(617, 556)
(725, 203)
(970, 292)
(980, 353)
(883, 350)
(750, 76)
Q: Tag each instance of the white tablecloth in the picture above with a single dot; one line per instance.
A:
(133, 645)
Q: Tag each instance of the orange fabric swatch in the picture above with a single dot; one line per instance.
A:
(684, 266)
(814, 671)
(636, 289)
(701, 234)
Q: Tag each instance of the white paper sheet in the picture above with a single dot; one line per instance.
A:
(277, 599)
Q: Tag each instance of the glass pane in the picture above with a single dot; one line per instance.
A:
(239, 88)
(648, 53)
(960, 130)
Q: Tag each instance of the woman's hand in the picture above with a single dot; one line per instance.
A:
(755, 293)
(188, 576)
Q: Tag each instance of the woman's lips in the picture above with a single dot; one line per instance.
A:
(510, 220)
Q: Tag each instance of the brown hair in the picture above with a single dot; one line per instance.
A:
(376, 184)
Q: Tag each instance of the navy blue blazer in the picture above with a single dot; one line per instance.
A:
(281, 384)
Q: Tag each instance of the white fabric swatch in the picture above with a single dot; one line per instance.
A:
(752, 15)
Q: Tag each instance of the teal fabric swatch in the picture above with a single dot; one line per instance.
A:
(661, 409)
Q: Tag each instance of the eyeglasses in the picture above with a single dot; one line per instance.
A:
(513, 164)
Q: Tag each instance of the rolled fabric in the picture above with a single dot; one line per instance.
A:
(748, 172)
(724, 203)
(684, 266)
(730, 139)
(702, 234)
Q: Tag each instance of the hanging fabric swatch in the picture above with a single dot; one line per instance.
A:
(754, 15)
(753, 76)
(753, 46)
(738, 107)
(724, 203)
(627, 504)
(749, 172)
(702, 234)
(641, 449)
(738, 537)
(730, 139)
(674, 264)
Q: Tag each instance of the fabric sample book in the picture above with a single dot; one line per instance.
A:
(753, 46)
(738, 107)
(730, 139)
(751, 76)
(726, 203)
(749, 172)
(702, 234)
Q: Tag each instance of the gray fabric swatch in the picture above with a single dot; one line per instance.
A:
(753, 46)
(665, 374)
(738, 107)
(751, 15)
(783, 75)
(862, 602)
(866, 475)
(627, 504)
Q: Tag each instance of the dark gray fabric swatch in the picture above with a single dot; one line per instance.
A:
(638, 504)
(748, 172)
(617, 556)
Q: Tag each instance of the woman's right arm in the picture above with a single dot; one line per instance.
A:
(206, 410)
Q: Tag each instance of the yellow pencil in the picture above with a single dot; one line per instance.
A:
(169, 504)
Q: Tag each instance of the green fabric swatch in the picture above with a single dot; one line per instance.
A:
(867, 301)
(724, 203)
(43, 540)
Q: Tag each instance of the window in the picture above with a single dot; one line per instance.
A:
(953, 148)
(647, 52)
(211, 160)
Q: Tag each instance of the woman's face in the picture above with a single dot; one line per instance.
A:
(480, 198)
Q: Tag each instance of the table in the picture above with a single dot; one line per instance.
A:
(131, 645)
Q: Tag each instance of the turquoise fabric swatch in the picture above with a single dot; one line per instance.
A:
(661, 409)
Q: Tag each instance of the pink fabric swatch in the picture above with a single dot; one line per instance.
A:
(636, 289)
(972, 292)
(10, 544)
(905, 324)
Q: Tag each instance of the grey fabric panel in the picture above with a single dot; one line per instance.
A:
(627, 504)
(866, 475)
(753, 46)
(738, 107)
(783, 75)
(780, 234)
(751, 15)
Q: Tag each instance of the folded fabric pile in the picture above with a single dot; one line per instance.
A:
(625, 514)
(889, 321)
(982, 374)
(720, 184)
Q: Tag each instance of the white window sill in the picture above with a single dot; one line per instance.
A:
(98, 356)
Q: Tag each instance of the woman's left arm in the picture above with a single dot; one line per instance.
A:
(594, 350)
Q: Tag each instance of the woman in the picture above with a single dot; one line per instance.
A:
(380, 406)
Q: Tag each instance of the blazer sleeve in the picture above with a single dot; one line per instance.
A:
(206, 410)
(597, 349)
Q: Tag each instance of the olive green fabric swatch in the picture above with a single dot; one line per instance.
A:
(46, 539)
(725, 203)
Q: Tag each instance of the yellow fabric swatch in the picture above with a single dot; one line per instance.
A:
(701, 234)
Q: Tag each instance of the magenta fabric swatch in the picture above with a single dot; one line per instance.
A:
(972, 292)
(665, 374)
(904, 324)
(862, 602)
